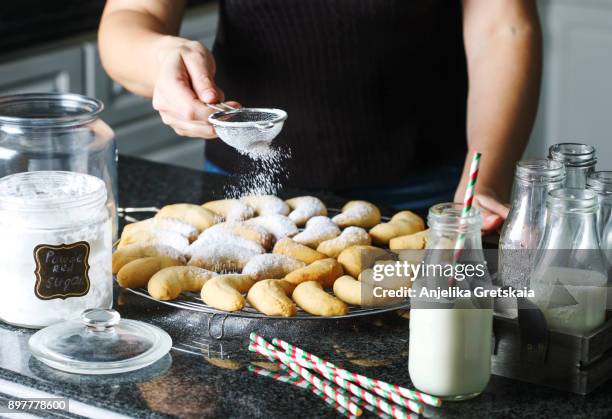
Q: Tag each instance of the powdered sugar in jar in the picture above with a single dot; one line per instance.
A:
(55, 247)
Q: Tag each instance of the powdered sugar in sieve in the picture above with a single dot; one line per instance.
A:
(249, 130)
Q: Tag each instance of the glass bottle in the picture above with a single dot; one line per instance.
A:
(524, 227)
(579, 160)
(450, 336)
(569, 278)
(601, 183)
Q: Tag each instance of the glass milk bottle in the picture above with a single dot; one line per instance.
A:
(569, 278)
(524, 227)
(601, 183)
(579, 161)
(450, 336)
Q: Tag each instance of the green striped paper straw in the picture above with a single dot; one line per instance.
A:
(347, 385)
(366, 382)
(468, 200)
(298, 381)
(312, 379)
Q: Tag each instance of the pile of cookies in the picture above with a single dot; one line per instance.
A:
(272, 254)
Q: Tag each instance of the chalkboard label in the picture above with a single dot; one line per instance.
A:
(62, 271)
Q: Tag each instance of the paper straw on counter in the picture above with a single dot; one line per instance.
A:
(298, 381)
(312, 379)
(357, 400)
(366, 382)
(467, 203)
(382, 404)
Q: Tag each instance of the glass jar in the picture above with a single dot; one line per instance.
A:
(601, 183)
(451, 332)
(524, 227)
(52, 131)
(569, 278)
(55, 247)
(579, 160)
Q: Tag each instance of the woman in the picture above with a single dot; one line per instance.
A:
(376, 90)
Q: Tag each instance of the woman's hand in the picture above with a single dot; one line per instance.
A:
(494, 211)
(184, 84)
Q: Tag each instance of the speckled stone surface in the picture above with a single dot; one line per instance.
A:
(205, 377)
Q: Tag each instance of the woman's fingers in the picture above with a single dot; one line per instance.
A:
(493, 211)
(200, 65)
(493, 205)
(194, 129)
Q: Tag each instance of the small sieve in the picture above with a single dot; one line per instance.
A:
(247, 128)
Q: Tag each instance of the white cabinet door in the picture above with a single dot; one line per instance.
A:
(576, 101)
(59, 71)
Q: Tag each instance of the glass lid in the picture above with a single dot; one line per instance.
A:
(100, 343)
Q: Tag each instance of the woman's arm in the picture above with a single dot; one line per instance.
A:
(504, 55)
(140, 50)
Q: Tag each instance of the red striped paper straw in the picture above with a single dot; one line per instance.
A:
(366, 382)
(298, 381)
(327, 389)
(357, 400)
(467, 203)
(267, 349)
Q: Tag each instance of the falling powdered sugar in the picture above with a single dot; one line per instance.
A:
(264, 175)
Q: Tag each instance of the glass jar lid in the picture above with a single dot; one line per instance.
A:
(600, 182)
(100, 342)
(573, 154)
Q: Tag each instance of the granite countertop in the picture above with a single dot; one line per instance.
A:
(205, 377)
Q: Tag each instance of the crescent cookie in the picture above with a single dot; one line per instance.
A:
(357, 258)
(137, 273)
(135, 251)
(231, 209)
(221, 257)
(311, 298)
(358, 213)
(304, 208)
(266, 204)
(354, 292)
(401, 224)
(271, 266)
(298, 251)
(318, 229)
(325, 271)
(224, 292)
(208, 239)
(271, 297)
(248, 231)
(169, 283)
(411, 241)
(161, 224)
(351, 236)
(199, 217)
(278, 225)
(163, 237)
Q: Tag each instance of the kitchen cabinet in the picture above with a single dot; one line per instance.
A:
(577, 91)
(73, 65)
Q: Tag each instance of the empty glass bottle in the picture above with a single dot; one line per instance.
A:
(450, 336)
(524, 227)
(569, 278)
(601, 183)
(579, 160)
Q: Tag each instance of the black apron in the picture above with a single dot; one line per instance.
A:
(375, 90)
